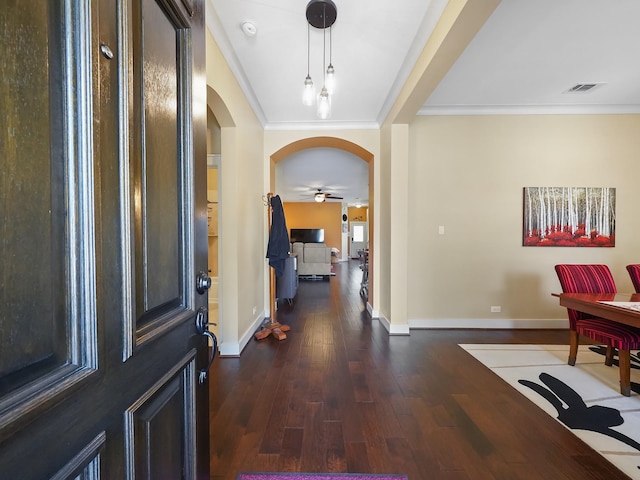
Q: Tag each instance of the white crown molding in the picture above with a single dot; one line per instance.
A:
(429, 21)
(529, 110)
(322, 125)
(217, 31)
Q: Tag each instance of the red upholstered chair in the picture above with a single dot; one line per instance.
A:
(634, 273)
(598, 279)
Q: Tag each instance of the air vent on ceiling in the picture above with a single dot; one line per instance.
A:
(584, 87)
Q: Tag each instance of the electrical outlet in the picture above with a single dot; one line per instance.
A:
(254, 310)
(441, 230)
(495, 309)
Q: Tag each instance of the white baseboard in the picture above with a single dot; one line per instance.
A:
(393, 328)
(472, 323)
(489, 323)
(372, 312)
(233, 349)
(229, 349)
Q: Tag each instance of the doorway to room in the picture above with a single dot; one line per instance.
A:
(213, 208)
(359, 238)
(322, 142)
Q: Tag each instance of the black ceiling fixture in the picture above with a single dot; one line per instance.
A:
(321, 14)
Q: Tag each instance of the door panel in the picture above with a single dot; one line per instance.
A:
(86, 464)
(159, 258)
(102, 228)
(26, 221)
(158, 444)
(47, 253)
(160, 73)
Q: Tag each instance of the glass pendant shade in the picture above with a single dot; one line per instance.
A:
(324, 104)
(330, 81)
(309, 92)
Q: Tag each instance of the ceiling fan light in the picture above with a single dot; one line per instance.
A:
(324, 104)
(319, 197)
(309, 92)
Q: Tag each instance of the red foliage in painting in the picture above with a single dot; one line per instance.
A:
(564, 236)
(583, 242)
(559, 236)
(565, 243)
(545, 242)
(602, 241)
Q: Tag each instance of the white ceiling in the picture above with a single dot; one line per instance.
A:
(334, 171)
(524, 59)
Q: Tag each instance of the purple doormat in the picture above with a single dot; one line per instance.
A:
(318, 476)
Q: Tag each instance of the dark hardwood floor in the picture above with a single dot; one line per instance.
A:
(340, 395)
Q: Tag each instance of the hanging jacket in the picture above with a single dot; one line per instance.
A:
(278, 245)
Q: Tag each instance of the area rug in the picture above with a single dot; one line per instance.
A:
(317, 476)
(585, 399)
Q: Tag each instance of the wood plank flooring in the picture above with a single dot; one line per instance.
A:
(340, 395)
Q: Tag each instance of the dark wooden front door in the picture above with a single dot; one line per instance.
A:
(102, 238)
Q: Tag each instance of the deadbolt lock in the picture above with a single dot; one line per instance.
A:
(203, 282)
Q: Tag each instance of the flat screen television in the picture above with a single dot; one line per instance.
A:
(307, 235)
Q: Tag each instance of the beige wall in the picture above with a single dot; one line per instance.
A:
(467, 174)
(243, 216)
(382, 254)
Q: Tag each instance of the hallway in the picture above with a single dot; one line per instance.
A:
(340, 395)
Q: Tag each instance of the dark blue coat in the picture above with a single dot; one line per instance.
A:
(278, 246)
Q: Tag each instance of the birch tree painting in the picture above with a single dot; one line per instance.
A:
(569, 217)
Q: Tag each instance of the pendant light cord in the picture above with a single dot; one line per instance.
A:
(324, 44)
(330, 45)
(308, 48)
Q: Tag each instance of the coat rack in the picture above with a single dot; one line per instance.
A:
(273, 327)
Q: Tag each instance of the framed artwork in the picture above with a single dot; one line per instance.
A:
(569, 217)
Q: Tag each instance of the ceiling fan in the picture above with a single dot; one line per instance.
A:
(320, 196)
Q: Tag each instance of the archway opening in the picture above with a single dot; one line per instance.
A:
(344, 145)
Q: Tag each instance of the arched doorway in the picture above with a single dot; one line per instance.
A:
(218, 117)
(341, 144)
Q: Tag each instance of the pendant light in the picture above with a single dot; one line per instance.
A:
(321, 14)
(324, 101)
(324, 104)
(330, 78)
(309, 89)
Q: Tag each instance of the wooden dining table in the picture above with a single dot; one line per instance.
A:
(593, 303)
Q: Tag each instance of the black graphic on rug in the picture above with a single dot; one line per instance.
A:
(576, 414)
